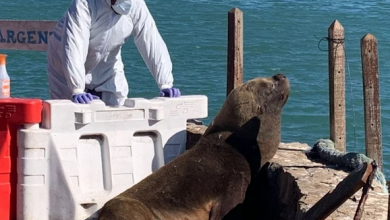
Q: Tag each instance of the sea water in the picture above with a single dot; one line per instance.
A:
(279, 36)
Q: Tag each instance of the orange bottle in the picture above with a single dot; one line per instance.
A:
(5, 84)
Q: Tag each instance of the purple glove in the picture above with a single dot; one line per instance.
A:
(172, 92)
(83, 98)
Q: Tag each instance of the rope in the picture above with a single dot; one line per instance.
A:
(334, 40)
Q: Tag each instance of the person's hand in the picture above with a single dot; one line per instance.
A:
(84, 98)
(172, 92)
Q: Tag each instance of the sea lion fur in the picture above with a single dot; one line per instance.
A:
(210, 179)
(262, 97)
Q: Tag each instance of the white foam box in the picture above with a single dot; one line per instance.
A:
(81, 156)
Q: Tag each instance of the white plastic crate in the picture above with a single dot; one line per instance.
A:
(83, 155)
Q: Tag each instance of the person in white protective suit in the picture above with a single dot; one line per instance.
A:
(84, 54)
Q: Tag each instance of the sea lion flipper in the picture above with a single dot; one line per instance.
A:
(229, 206)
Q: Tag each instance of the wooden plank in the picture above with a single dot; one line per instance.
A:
(388, 202)
(337, 85)
(343, 191)
(372, 108)
(366, 188)
(25, 35)
(235, 50)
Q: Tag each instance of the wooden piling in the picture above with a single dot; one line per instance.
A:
(337, 85)
(235, 50)
(372, 109)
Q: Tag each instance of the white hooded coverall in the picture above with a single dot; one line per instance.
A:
(85, 50)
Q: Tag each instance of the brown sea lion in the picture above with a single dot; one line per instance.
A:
(211, 178)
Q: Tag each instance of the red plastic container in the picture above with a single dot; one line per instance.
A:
(14, 113)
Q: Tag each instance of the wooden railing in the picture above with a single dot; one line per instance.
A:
(336, 54)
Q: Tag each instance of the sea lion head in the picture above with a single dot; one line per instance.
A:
(253, 111)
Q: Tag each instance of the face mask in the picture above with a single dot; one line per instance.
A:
(122, 7)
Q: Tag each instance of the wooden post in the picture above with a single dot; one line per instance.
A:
(372, 109)
(388, 203)
(388, 200)
(235, 50)
(337, 85)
